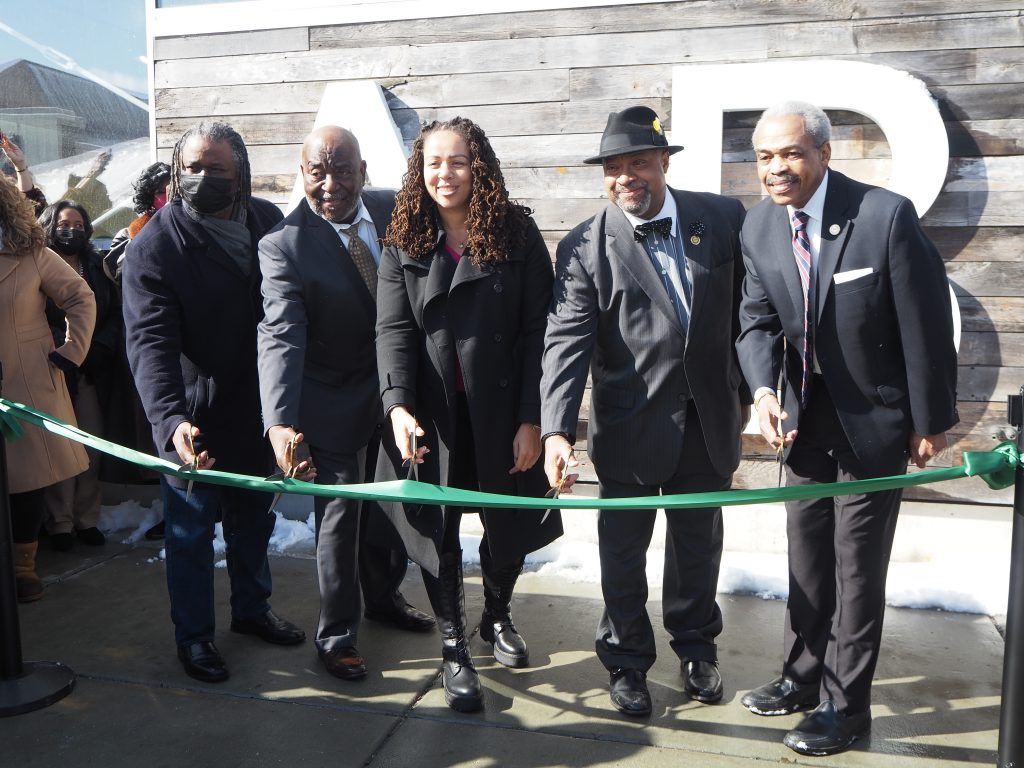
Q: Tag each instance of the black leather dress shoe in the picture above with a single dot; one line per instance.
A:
(344, 663)
(629, 692)
(782, 696)
(407, 617)
(270, 627)
(702, 681)
(826, 731)
(92, 536)
(203, 662)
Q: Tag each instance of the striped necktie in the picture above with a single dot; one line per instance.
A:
(805, 265)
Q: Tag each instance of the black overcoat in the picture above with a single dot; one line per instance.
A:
(493, 318)
(190, 316)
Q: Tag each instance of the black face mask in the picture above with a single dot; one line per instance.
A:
(69, 241)
(206, 194)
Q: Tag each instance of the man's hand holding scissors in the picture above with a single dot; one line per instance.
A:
(770, 418)
(285, 442)
(558, 460)
(185, 441)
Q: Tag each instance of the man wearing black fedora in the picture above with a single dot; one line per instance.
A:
(645, 297)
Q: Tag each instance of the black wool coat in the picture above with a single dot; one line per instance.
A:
(491, 318)
(190, 321)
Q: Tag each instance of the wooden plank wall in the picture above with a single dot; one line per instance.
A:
(542, 83)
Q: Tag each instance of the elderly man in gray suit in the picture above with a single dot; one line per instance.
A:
(318, 381)
(645, 297)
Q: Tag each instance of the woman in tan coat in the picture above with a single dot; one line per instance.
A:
(32, 369)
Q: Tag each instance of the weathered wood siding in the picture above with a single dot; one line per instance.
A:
(541, 84)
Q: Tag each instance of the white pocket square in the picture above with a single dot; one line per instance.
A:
(853, 274)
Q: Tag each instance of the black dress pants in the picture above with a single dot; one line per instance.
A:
(693, 556)
(838, 559)
(382, 567)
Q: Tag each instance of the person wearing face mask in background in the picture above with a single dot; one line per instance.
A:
(191, 294)
(32, 362)
(150, 196)
(73, 505)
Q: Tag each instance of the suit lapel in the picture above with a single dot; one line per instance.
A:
(440, 271)
(834, 216)
(467, 272)
(633, 257)
(690, 210)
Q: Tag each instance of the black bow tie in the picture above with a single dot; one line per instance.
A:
(662, 226)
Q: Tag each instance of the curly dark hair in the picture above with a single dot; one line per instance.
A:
(496, 225)
(150, 183)
(48, 221)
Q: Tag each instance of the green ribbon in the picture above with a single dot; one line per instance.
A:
(997, 468)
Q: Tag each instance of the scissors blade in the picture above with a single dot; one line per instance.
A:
(289, 456)
(192, 465)
(414, 470)
(556, 490)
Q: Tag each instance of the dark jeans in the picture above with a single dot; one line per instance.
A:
(247, 523)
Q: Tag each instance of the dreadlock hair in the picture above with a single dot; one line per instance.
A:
(216, 132)
(149, 184)
(19, 230)
(495, 225)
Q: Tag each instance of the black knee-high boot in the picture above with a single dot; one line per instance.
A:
(462, 688)
(496, 623)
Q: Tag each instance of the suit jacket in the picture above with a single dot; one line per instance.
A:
(317, 361)
(491, 318)
(610, 312)
(190, 322)
(884, 340)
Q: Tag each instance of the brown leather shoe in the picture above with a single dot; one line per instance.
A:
(344, 663)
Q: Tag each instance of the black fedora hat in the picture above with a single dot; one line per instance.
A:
(631, 130)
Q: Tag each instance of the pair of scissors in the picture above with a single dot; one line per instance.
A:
(192, 466)
(556, 490)
(289, 457)
(414, 470)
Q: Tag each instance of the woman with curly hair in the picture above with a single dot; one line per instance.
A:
(150, 196)
(462, 299)
(73, 506)
(33, 369)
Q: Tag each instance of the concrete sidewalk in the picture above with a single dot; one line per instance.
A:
(105, 614)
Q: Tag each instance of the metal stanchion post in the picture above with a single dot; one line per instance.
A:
(1011, 734)
(24, 686)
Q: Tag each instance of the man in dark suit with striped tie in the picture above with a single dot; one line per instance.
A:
(846, 294)
(645, 297)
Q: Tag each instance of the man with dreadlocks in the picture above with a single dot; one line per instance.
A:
(191, 306)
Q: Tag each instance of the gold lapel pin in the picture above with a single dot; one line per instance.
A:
(695, 239)
(835, 229)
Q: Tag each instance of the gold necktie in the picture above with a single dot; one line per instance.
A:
(362, 257)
